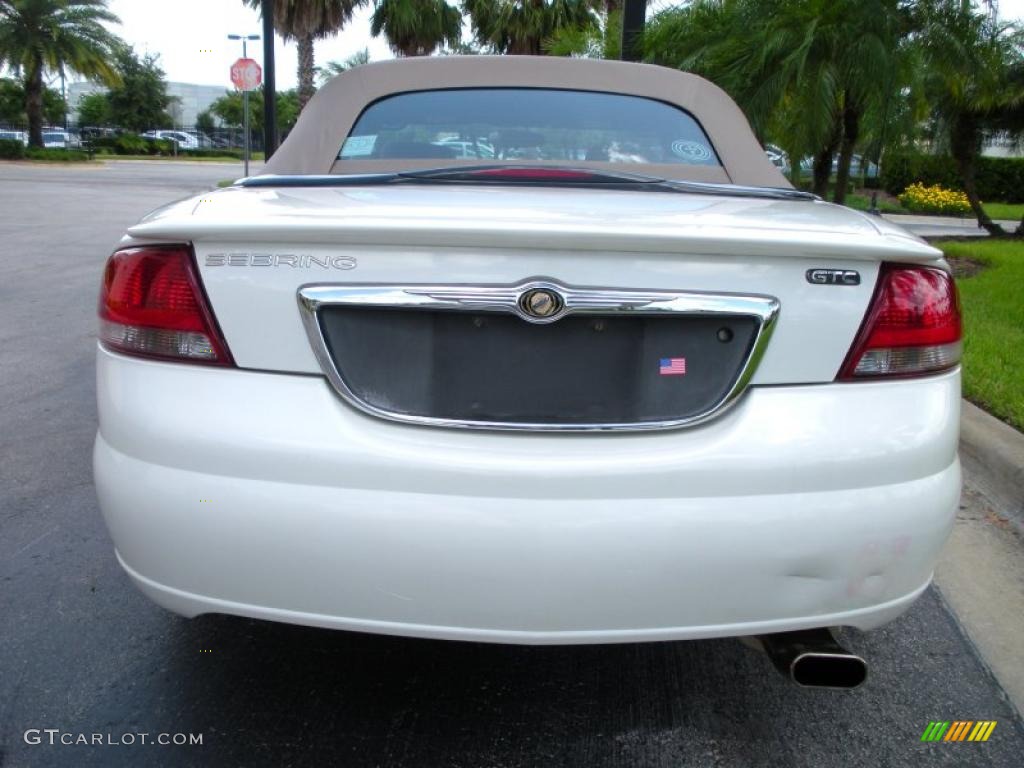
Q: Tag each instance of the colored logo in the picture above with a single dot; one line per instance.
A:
(672, 366)
(540, 304)
(958, 730)
(693, 151)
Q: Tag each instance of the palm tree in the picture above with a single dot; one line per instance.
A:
(971, 77)
(37, 36)
(601, 41)
(334, 68)
(525, 26)
(870, 62)
(807, 70)
(417, 27)
(305, 21)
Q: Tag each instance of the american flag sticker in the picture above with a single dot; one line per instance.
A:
(672, 366)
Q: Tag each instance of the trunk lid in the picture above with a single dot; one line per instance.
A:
(535, 217)
(256, 248)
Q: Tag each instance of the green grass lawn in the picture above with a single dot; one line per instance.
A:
(1012, 211)
(993, 306)
(863, 202)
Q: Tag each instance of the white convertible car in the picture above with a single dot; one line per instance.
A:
(530, 350)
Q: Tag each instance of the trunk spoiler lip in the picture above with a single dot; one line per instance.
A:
(477, 175)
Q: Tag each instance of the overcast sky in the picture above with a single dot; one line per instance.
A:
(191, 37)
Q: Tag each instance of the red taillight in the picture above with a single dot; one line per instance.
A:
(912, 326)
(151, 304)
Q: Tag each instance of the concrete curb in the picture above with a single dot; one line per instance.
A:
(993, 454)
(905, 219)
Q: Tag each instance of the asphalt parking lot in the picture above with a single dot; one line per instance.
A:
(83, 652)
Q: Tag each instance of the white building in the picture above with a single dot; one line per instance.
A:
(189, 100)
(1003, 144)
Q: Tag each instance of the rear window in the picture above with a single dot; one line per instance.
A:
(519, 124)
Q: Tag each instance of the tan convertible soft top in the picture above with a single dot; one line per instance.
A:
(325, 123)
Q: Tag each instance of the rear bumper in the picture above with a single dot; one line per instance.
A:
(264, 495)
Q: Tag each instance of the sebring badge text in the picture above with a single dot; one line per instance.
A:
(297, 260)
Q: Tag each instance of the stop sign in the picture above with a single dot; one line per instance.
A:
(246, 74)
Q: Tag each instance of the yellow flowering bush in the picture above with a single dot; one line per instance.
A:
(936, 199)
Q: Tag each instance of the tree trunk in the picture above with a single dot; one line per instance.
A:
(823, 160)
(534, 44)
(822, 170)
(964, 143)
(527, 46)
(851, 132)
(306, 67)
(793, 155)
(34, 103)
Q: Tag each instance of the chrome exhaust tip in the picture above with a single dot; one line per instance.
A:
(814, 659)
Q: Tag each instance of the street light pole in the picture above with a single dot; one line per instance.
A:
(63, 97)
(245, 100)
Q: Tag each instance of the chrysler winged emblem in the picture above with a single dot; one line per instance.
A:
(540, 303)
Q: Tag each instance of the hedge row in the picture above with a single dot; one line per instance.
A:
(235, 154)
(1000, 179)
(57, 155)
(132, 144)
(126, 144)
(11, 149)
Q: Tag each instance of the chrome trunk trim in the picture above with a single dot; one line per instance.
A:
(508, 299)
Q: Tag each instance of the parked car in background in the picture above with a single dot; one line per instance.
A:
(181, 139)
(53, 138)
(651, 394)
(779, 158)
(56, 138)
(856, 164)
(9, 135)
(88, 133)
(202, 141)
(225, 140)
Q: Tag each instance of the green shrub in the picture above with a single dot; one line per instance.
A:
(132, 144)
(998, 178)
(11, 149)
(935, 199)
(103, 144)
(60, 155)
(159, 147)
(234, 154)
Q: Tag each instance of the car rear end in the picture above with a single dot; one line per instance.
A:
(56, 139)
(526, 407)
(481, 476)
